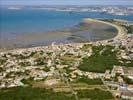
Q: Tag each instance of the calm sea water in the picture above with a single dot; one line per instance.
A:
(33, 21)
(28, 21)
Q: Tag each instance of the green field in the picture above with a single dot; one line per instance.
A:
(28, 93)
(103, 58)
(88, 81)
(95, 94)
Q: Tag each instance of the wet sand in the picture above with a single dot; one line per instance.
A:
(120, 31)
(34, 39)
(93, 30)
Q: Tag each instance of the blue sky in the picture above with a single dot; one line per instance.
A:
(67, 2)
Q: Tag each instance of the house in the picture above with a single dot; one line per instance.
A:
(120, 80)
(130, 88)
(107, 74)
(127, 95)
(117, 70)
(117, 94)
(128, 71)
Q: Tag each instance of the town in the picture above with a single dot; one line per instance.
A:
(105, 66)
(114, 10)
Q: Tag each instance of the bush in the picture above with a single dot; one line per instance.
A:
(95, 94)
(29, 93)
(97, 81)
(103, 58)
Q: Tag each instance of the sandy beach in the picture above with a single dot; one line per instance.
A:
(121, 33)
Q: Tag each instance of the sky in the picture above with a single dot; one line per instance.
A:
(66, 2)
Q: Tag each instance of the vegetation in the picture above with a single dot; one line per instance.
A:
(46, 69)
(20, 56)
(24, 64)
(28, 81)
(1, 69)
(67, 59)
(95, 94)
(128, 80)
(127, 63)
(2, 61)
(86, 47)
(97, 81)
(40, 61)
(103, 58)
(129, 28)
(28, 93)
(108, 20)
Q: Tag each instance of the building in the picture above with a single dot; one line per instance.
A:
(117, 70)
(127, 95)
(128, 71)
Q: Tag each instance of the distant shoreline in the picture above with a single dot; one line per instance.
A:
(119, 10)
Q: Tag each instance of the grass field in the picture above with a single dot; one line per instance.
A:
(29, 93)
(103, 58)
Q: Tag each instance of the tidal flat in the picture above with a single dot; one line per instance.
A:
(85, 31)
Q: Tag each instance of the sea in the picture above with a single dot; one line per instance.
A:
(27, 21)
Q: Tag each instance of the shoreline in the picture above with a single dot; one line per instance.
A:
(120, 35)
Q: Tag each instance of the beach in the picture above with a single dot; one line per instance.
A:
(121, 32)
(30, 28)
(86, 31)
(120, 35)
